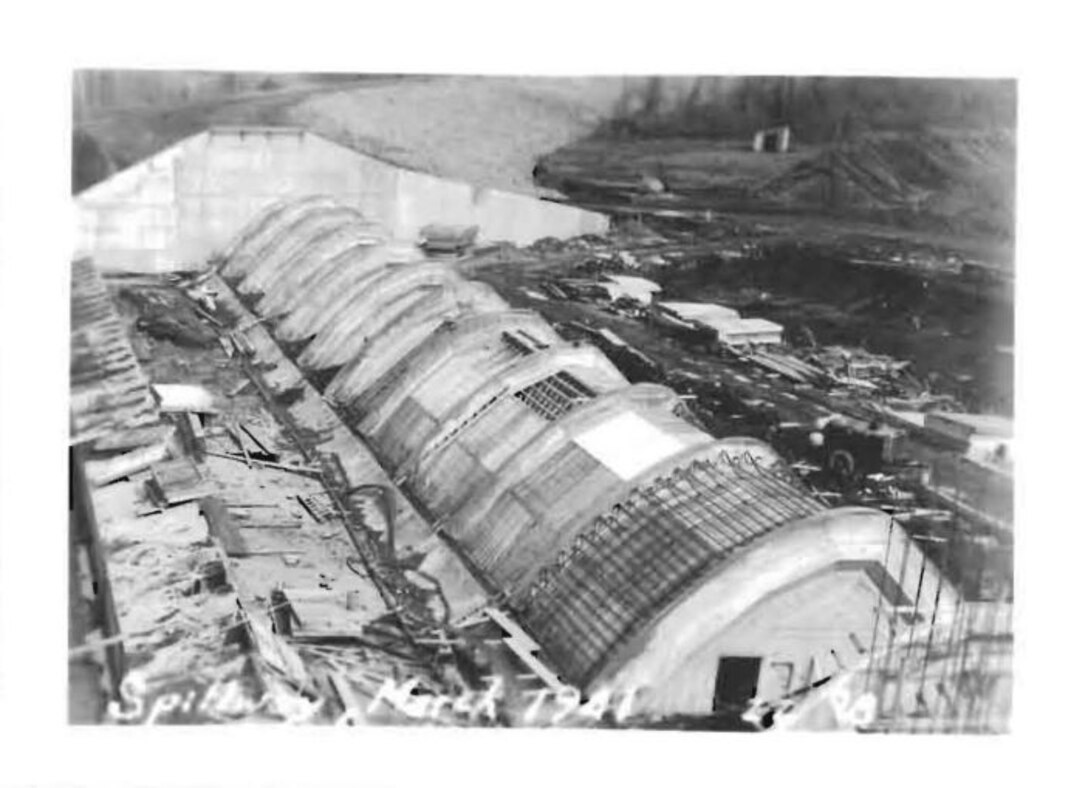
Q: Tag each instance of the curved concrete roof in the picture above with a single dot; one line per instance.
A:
(555, 436)
(738, 580)
(653, 547)
(452, 351)
(461, 453)
(586, 363)
(399, 332)
(280, 238)
(324, 259)
(256, 225)
(349, 324)
(594, 505)
(548, 498)
(246, 251)
(284, 255)
(328, 296)
(437, 399)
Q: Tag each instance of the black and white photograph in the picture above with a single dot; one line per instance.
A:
(561, 396)
(628, 402)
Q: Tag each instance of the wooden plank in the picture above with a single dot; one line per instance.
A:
(326, 615)
(262, 442)
(344, 692)
(303, 469)
(220, 525)
(134, 438)
(273, 517)
(196, 426)
(276, 652)
(268, 541)
(306, 502)
(245, 347)
(204, 313)
(236, 436)
(284, 524)
(177, 481)
(101, 472)
(247, 550)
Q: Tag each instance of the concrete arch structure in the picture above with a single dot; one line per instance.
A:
(460, 453)
(401, 332)
(471, 360)
(632, 545)
(343, 336)
(256, 225)
(286, 249)
(587, 364)
(545, 499)
(291, 232)
(247, 251)
(329, 296)
(553, 438)
(455, 352)
(314, 263)
(678, 652)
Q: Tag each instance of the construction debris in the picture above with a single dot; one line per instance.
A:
(166, 313)
(101, 472)
(177, 481)
(279, 466)
(179, 398)
(110, 398)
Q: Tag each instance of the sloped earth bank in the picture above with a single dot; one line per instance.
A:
(900, 242)
(954, 188)
(485, 130)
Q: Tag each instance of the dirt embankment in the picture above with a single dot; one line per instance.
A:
(485, 130)
(942, 181)
(929, 155)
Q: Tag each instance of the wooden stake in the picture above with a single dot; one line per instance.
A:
(304, 469)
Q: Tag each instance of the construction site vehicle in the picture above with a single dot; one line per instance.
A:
(853, 448)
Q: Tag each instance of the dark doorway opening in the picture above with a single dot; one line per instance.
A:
(738, 678)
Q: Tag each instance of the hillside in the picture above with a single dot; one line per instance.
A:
(928, 155)
(487, 130)
(956, 182)
(821, 109)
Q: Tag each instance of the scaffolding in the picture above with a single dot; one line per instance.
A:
(941, 670)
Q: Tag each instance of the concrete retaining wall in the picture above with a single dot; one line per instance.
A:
(177, 209)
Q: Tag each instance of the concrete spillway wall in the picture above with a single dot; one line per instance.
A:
(179, 208)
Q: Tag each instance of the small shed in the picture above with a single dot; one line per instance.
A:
(634, 287)
(731, 327)
(773, 140)
(750, 331)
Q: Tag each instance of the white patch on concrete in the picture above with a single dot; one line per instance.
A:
(628, 444)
